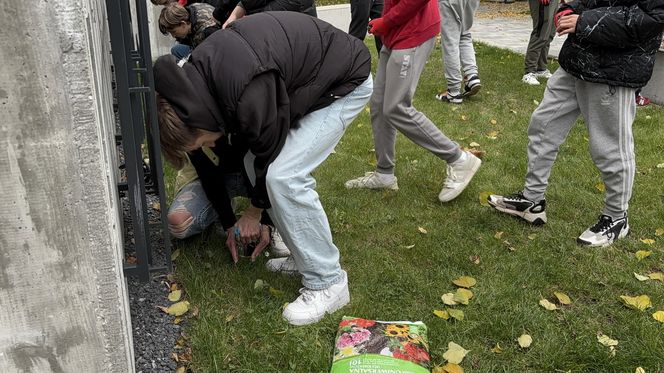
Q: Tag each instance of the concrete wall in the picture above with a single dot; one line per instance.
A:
(655, 88)
(63, 301)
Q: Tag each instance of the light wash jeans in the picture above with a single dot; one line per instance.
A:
(192, 198)
(296, 209)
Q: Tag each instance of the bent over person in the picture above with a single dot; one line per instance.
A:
(609, 53)
(291, 115)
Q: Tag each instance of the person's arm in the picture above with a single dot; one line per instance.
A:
(620, 27)
(236, 14)
(213, 182)
(263, 120)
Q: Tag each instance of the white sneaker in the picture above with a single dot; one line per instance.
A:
(459, 174)
(544, 74)
(374, 180)
(312, 305)
(530, 79)
(278, 247)
(284, 265)
(605, 232)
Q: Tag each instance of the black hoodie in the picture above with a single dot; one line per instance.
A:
(259, 76)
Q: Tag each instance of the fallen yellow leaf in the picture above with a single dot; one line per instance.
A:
(474, 145)
(641, 277)
(455, 353)
(422, 230)
(535, 102)
(181, 370)
(525, 340)
(463, 117)
(659, 232)
(442, 314)
(548, 305)
(175, 295)
(462, 296)
(660, 165)
(409, 246)
(492, 135)
(640, 302)
(639, 370)
(498, 235)
(175, 254)
(659, 276)
(276, 292)
(647, 241)
(642, 254)
(437, 369)
(455, 314)
(606, 340)
(659, 316)
(562, 297)
(497, 349)
(600, 187)
(493, 121)
(465, 282)
(452, 368)
(448, 299)
(177, 309)
(532, 236)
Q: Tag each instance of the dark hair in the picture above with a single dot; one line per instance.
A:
(171, 16)
(162, 2)
(175, 136)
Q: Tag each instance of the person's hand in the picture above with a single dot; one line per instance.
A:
(230, 243)
(567, 24)
(544, 2)
(248, 227)
(378, 27)
(262, 244)
(237, 13)
(556, 17)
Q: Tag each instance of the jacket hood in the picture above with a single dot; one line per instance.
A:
(184, 88)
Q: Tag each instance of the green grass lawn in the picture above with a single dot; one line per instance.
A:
(240, 330)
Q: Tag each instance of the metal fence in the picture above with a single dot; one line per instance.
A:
(136, 108)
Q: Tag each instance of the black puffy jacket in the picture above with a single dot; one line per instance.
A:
(615, 41)
(258, 77)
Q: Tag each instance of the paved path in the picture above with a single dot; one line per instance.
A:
(509, 33)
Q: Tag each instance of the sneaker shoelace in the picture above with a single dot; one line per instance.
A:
(515, 196)
(309, 295)
(602, 225)
(452, 177)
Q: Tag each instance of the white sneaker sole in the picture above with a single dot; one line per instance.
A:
(585, 243)
(460, 189)
(534, 219)
(339, 303)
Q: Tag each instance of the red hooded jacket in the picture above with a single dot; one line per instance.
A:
(410, 22)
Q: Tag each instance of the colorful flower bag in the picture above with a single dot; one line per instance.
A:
(381, 346)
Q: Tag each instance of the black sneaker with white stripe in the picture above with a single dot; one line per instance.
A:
(605, 232)
(472, 86)
(520, 206)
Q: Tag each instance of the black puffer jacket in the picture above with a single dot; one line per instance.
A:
(615, 41)
(258, 77)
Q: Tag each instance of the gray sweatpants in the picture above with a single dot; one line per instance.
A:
(543, 32)
(608, 112)
(392, 108)
(458, 52)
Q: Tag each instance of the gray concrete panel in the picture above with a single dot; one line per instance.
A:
(63, 296)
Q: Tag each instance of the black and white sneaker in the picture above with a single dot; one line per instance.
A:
(472, 86)
(605, 232)
(520, 206)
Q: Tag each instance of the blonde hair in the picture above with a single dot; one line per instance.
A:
(171, 16)
(175, 136)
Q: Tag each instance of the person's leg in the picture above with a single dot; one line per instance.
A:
(548, 32)
(537, 41)
(385, 136)
(402, 73)
(191, 212)
(359, 18)
(450, 30)
(296, 208)
(466, 48)
(549, 125)
(609, 113)
(180, 51)
(376, 11)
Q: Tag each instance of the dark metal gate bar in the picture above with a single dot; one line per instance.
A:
(132, 62)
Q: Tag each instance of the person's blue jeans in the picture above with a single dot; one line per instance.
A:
(180, 51)
(296, 209)
(192, 198)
